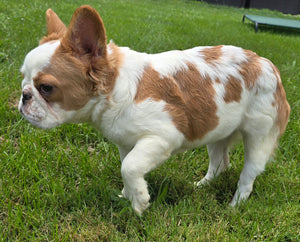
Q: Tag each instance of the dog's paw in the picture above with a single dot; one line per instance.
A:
(201, 183)
(123, 194)
(239, 197)
(140, 202)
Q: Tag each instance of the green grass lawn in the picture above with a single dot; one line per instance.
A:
(63, 184)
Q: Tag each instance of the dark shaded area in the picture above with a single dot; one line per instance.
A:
(287, 6)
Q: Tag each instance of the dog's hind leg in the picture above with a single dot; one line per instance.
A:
(258, 149)
(218, 157)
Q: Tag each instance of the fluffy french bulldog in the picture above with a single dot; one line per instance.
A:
(155, 105)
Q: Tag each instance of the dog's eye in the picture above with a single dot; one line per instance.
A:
(45, 89)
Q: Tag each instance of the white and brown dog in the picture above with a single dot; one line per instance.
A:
(155, 105)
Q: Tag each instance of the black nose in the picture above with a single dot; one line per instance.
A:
(26, 97)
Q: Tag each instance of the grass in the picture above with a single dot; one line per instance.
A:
(63, 184)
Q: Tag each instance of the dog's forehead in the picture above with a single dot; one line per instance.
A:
(38, 58)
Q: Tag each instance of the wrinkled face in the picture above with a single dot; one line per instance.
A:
(65, 71)
(55, 86)
(34, 103)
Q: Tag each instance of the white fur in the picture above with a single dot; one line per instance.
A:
(36, 60)
(39, 113)
(145, 133)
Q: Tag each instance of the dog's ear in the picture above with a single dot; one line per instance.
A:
(54, 24)
(55, 27)
(86, 36)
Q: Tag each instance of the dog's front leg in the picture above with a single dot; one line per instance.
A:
(147, 154)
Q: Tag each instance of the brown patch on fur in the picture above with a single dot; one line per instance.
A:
(217, 80)
(74, 82)
(233, 90)
(212, 54)
(281, 103)
(189, 98)
(283, 108)
(49, 38)
(251, 69)
(115, 59)
(71, 89)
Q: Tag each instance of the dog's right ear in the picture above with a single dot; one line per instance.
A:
(86, 35)
(55, 27)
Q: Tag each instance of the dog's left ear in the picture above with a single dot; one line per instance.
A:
(86, 36)
(54, 24)
(55, 27)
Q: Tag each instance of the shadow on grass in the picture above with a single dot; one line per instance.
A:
(224, 186)
(102, 199)
(171, 190)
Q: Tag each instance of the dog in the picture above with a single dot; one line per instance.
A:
(155, 105)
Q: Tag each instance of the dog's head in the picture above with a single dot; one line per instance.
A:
(66, 71)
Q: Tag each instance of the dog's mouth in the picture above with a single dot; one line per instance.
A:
(33, 114)
(40, 114)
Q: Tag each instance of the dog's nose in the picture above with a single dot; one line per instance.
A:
(26, 97)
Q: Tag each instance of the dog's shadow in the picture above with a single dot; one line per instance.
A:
(166, 190)
(172, 190)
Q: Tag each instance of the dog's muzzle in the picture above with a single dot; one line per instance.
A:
(26, 96)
